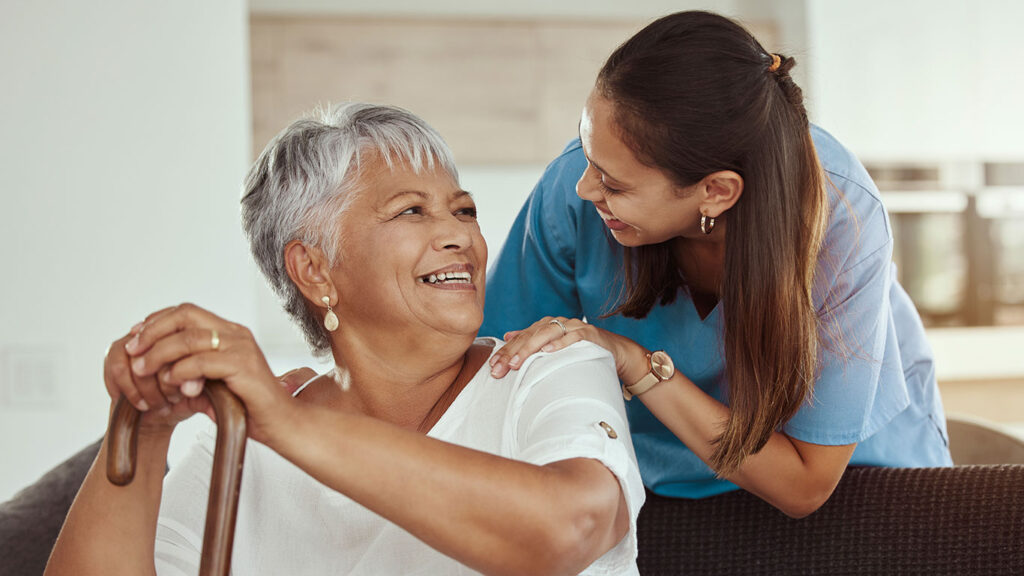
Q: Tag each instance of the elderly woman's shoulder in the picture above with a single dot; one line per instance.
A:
(580, 355)
(320, 389)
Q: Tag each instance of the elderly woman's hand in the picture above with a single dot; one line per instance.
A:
(162, 406)
(174, 351)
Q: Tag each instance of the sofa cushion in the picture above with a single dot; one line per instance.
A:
(31, 520)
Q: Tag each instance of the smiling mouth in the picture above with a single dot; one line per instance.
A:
(447, 278)
(612, 222)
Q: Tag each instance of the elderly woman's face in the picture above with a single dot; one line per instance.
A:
(412, 256)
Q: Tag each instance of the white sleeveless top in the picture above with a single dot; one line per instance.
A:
(557, 407)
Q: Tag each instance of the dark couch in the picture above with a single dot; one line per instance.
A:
(931, 521)
(30, 522)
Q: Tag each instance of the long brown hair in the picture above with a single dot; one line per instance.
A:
(695, 93)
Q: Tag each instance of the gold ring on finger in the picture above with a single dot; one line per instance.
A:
(214, 340)
(558, 323)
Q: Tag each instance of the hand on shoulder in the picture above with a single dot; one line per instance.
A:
(550, 334)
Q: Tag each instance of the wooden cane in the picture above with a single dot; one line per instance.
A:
(225, 481)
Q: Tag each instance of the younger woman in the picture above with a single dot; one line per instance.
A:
(700, 221)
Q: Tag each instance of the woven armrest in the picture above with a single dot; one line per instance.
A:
(930, 521)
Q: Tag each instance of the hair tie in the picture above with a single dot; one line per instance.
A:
(776, 62)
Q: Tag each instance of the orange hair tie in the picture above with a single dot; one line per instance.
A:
(776, 62)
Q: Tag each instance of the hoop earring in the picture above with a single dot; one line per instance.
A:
(707, 224)
(330, 319)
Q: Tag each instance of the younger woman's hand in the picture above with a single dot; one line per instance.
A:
(177, 349)
(548, 335)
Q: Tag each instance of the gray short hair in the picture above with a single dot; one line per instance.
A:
(301, 181)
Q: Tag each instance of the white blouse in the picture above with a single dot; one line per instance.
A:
(558, 406)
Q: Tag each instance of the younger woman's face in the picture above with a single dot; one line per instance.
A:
(640, 204)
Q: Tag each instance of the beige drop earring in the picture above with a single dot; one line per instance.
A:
(330, 319)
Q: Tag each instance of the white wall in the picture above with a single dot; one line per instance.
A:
(125, 134)
(599, 9)
(935, 81)
(919, 79)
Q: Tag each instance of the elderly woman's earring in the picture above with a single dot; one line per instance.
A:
(707, 224)
(330, 319)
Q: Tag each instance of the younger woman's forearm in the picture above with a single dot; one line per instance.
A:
(112, 529)
(793, 476)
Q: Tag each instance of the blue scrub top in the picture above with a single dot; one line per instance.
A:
(878, 389)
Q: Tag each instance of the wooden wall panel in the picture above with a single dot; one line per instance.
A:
(500, 91)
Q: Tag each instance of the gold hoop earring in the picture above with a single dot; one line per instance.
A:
(330, 319)
(707, 224)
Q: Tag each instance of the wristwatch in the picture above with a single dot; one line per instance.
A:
(661, 369)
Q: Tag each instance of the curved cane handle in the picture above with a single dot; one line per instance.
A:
(225, 481)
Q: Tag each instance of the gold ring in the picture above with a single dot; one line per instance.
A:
(558, 323)
(214, 340)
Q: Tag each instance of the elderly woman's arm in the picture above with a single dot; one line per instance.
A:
(112, 529)
(555, 511)
(494, 514)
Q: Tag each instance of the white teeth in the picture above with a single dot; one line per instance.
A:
(448, 277)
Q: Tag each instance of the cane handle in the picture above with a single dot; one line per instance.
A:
(225, 481)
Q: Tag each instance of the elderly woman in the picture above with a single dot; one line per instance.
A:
(408, 457)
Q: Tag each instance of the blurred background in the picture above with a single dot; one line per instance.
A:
(127, 127)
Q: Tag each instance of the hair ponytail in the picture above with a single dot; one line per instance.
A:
(695, 93)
